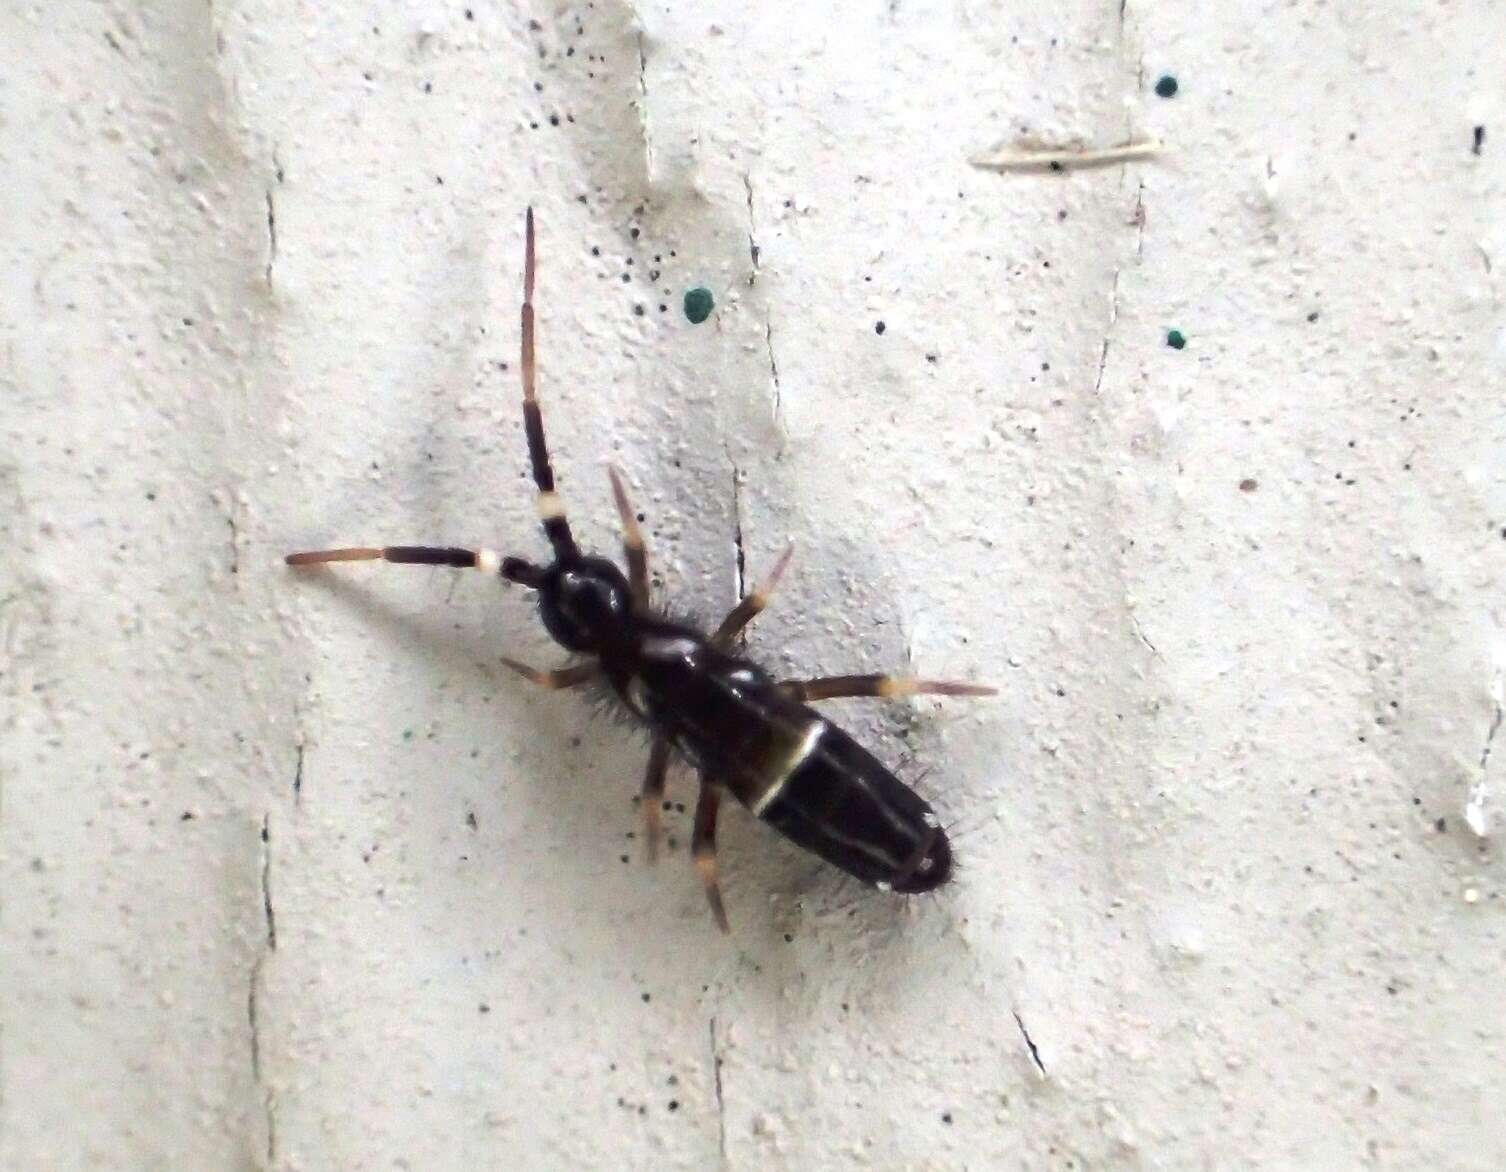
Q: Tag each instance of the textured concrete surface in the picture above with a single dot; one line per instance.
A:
(295, 876)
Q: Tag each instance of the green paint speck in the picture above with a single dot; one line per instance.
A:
(698, 304)
(1176, 339)
(1166, 87)
(407, 734)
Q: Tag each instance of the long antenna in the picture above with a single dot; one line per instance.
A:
(551, 507)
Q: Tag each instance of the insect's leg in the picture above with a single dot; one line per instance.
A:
(835, 687)
(565, 677)
(653, 795)
(551, 508)
(745, 611)
(633, 546)
(703, 848)
(486, 560)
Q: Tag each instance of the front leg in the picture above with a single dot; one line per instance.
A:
(653, 796)
(747, 610)
(565, 677)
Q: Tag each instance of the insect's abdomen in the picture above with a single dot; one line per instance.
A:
(791, 767)
(842, 804)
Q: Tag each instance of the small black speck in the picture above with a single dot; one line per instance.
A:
(533, 126)
(674, 1104)
(1045, 366)
(483, 1008)
(626, 277)
(469, 15)
(1055, 166)
(946, 1117)
(646, 998)
(554, 120)
(428, 87)
(1479, 141)
(624, 858)
(637, 311)
(1441, 826)
(186, 816)
(879, 327)
(595, 250)
(1166, 86)
(931, 358)
(470, 819)
(1062, 215)
(634, 233)
(1313, 316)
(151, 496)
(788, 939)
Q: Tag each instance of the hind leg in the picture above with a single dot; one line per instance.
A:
(703, 848)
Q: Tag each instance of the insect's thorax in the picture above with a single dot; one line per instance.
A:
(720, 711)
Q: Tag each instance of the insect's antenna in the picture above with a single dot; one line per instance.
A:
(551, 507)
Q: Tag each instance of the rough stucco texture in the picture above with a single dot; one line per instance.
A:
(297, 876)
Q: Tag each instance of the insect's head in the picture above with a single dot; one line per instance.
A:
(584, 602)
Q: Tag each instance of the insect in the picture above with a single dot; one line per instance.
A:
(741, 729)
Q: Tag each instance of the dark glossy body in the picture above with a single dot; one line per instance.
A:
(794, 769)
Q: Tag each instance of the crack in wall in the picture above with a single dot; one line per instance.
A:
(235, 550)
(1475, 815)
(753, 249)
(271, 237)
(266, 882)
(1490, 736)
(740, 553)
(768, 341)
(648, 138)
(1140, 634)
(721, 1102)
(1138, 219)
(1035, 1055)
(298, 774)
(254, 990)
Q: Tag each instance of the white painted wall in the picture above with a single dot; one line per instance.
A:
(295, 876)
